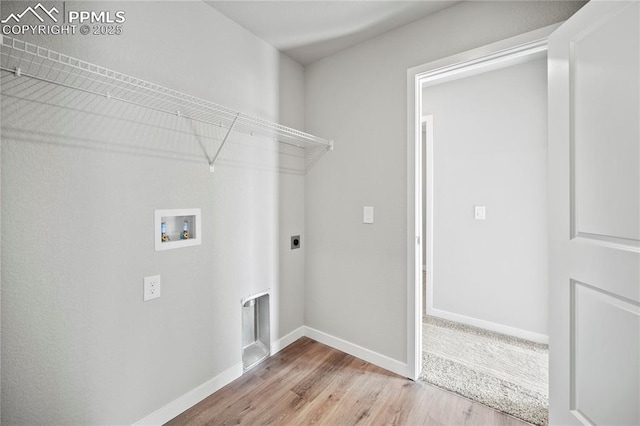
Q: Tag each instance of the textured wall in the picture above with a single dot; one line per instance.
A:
(80, 183)
(356, 274)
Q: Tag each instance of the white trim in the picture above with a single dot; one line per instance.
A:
(491, 326)
(194, 396)
(511, 56)
(508, 49)
(365, 354)
(429, 195)
(191, 398)
(285, 341)
(446, 68)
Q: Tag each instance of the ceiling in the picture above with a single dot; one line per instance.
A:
(308, 30)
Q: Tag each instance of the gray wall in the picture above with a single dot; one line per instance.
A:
(490, 148)
(356, 274)
(79, 187)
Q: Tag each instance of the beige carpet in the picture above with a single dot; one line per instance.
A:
(503, 372)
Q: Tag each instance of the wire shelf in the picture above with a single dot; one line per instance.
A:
(28, 60)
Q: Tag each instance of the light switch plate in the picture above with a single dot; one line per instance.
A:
(480, 212)
(151, 287)
(367, 213)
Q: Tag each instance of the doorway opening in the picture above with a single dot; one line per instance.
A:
(473, 189)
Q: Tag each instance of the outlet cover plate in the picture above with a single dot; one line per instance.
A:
(295, 242)
(151, 287)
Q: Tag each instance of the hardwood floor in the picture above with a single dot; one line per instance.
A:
(311, 383)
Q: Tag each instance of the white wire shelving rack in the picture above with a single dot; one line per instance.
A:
(31, 61)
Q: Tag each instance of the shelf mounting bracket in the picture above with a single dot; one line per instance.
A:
(233, 123)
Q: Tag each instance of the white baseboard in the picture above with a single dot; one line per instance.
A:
(488, 325)
(196, 395)
(285, 341)
(380, 360)
(191, 398)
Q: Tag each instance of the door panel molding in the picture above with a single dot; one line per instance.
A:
(616, 243)
(604, 154)
(597, 305)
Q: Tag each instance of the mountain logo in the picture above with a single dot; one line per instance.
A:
(34, 11)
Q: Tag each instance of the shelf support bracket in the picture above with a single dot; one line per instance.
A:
(211, 163)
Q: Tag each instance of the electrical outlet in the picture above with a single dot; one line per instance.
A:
(295, 242)
(151, 287)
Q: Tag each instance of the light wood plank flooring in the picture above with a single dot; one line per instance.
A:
(311, 383)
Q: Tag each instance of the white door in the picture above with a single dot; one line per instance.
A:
(594, 188)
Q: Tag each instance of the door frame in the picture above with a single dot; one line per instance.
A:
(427, 189)
(465, 64)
